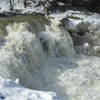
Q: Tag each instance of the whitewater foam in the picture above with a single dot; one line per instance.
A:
(43, 58)
(25, 51)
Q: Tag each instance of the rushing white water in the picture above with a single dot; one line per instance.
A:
(42, 56)
(26, 49)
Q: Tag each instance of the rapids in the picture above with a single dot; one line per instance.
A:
(41, 55)
(27, 44)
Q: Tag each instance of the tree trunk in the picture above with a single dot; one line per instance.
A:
(11, 5)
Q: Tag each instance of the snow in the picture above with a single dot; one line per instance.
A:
(90, 17)
(33, 6)
(19, 7)
(77, 17)
(9, 90)
(83, 22)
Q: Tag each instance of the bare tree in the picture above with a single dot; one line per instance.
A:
(11, 4)
(25, 3)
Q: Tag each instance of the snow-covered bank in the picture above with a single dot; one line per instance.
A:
(19, 7)
(10, 90)
(76, 17)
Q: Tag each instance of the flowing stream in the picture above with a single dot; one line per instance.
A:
(41, 54)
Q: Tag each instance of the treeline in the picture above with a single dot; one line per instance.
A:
(26, 3)
(92, 5)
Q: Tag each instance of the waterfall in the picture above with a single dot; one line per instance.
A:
(28, 45)
(20, 53)
(57, 41)
(40, 55)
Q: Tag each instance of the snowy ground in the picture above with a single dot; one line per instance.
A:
(19, 7)
(10, 90)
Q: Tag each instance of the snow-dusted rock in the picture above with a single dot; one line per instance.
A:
(83, 26)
